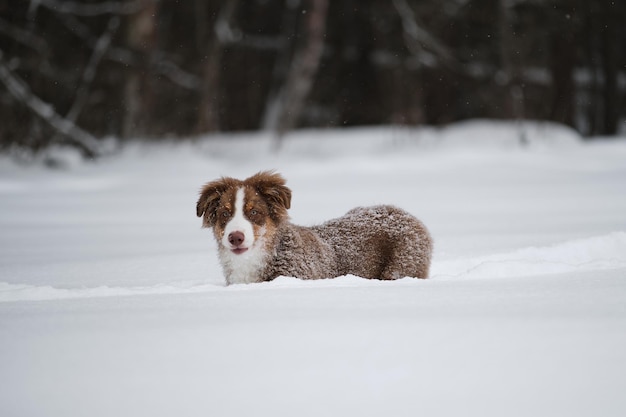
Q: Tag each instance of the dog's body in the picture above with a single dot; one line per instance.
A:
(258, 243)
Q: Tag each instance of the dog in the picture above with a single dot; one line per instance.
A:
(257, 242)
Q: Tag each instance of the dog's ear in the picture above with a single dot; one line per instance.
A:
(209, 201)
(272, 187)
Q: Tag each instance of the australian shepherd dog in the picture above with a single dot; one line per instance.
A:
(257, 242)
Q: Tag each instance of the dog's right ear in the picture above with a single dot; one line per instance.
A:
(209, 201)
(272, 186)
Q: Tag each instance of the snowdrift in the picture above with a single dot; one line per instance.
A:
(593, 254)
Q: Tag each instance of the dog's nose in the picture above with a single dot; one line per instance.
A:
(236, 238)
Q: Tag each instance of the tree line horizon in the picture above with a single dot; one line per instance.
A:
(77, 71)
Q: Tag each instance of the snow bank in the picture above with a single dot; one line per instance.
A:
(23, 292)
(581, 255)
(325, 143)
(593, 254)
(504, 134)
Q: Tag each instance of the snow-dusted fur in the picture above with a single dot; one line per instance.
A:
(258, 243)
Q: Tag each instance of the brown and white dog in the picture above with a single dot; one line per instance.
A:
(258, 243)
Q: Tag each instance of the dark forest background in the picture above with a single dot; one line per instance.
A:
(77, 71)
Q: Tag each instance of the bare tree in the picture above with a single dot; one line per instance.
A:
(84, 88)
(610, 68)
(562, 62)
(159, 63)
(66, 128)
(138, 97)
(281, 64)
(223, 34)
(289, 103)
(509, 74)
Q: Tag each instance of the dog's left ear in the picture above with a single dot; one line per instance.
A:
(272, 187)
(209, 201)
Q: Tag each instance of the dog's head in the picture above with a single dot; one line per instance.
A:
(241, 212)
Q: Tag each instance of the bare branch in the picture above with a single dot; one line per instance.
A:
(89, 9)
(24, 37)
(227, 34)
(90, 70)
(417, 38)
(166, 67)
(269, 43)
(20, 91)
(160, 63)
(223, 30)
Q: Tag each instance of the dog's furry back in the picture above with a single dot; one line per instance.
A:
(382, 242)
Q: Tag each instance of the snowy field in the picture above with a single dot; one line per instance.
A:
(112, 302)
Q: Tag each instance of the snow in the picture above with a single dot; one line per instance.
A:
(112, 301)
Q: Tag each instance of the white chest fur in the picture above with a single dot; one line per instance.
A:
(244, 268)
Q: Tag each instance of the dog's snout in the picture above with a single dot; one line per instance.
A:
(236, 238)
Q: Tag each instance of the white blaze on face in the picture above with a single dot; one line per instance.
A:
(239, 223)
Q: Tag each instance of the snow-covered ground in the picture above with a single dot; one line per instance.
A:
(112, 302)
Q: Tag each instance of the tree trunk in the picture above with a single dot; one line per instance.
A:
(208, 110)
(508, 62)
(562, 62)
(514, 93)
(291, 98)
(592, 91)
(138, 97)
(609, 69)
(281, 65)
(208, 116)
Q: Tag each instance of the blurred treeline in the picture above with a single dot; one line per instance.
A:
(75, 71)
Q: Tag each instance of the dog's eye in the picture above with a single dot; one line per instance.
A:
(225, 214)
(253, 212)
